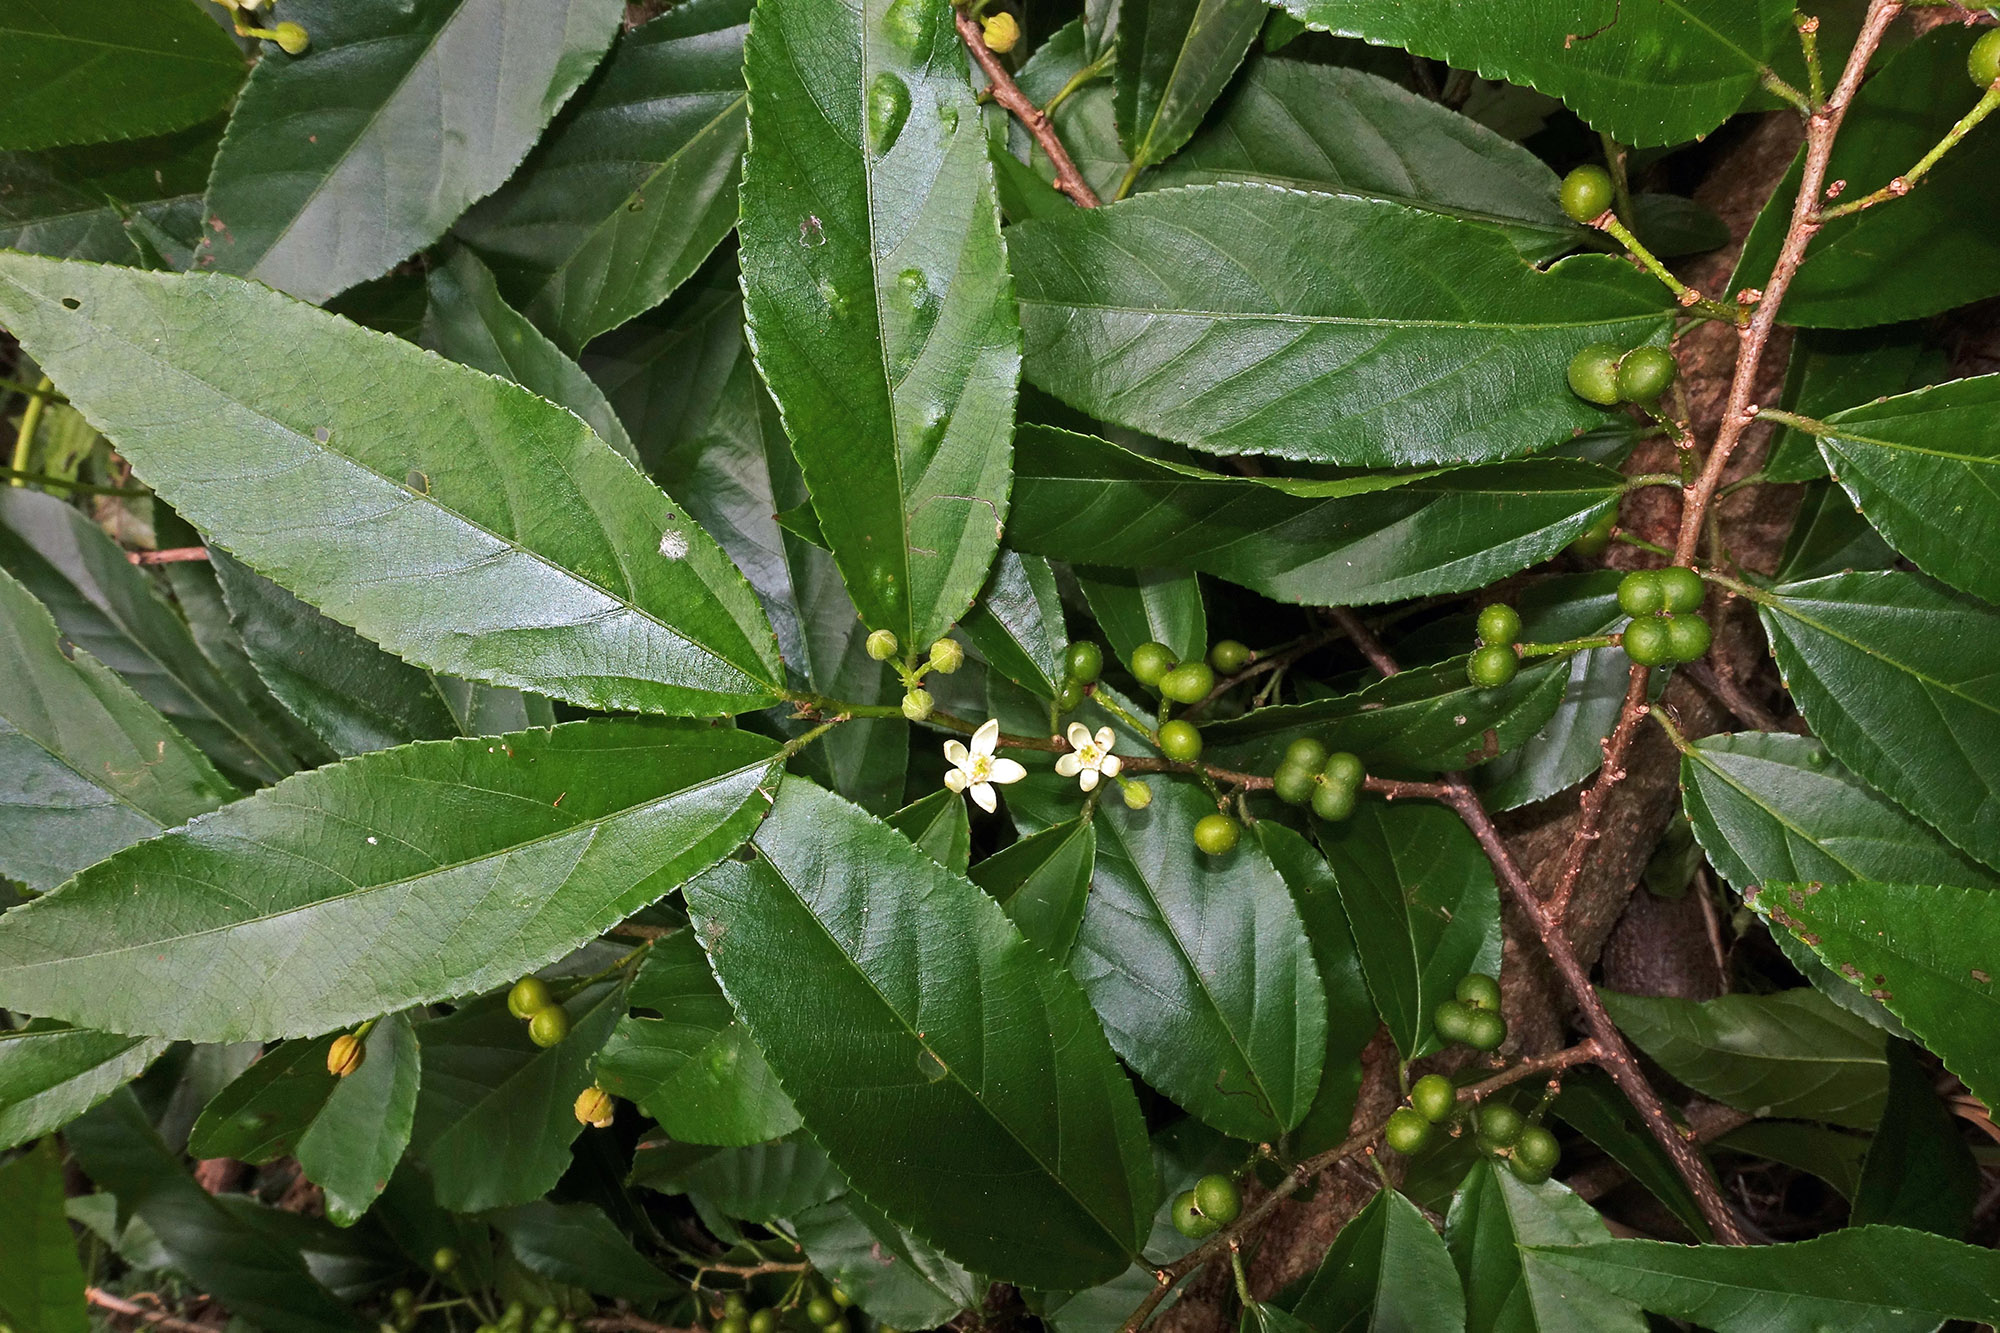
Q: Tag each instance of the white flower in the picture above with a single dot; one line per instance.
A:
(1089, 756)
(976, 770)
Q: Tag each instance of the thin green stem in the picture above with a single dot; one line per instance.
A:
(1809, 44)
(1645, 479)
(1903, 184)
(801, 741)
(1756, 478)
(1621, 184)
(1094, 70)
(1118, 710)
(1778, 87)
(24, 441)
(1688, 297)
(1567, 646)
(1126, 182)
(81, 487)
(32, 390)
(1633, 539)
(1242, 1278)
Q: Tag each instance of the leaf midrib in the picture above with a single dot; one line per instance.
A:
(1356, 321)
(1787, 606)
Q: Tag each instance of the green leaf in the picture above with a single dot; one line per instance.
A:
(1592, 1105)
(1017, 623)
(1084, 120)
(105, 202)
(1422, 903)
(889, 1272)
(760, 1183)
(1924, 951)
(1834, 369)
(1930, 252)
(51, 1074)
(87, 767)
(495, 1115)
(888, 335)
(261, 1114)
(967, 1092)
(1200, 969)
(576, 1244)
(1357, 540)
(1494, 1232)
(1829, 536)
(1833, 1155)
(1892, 672)
(354, 1143)
(467, 320)
(633, 186)
(1386, 1269)
(1858, 1280)
(119, 69)
(694, 1068)
(1654, 74)
(1919, 1172)
(1174, 56)
(499, 854)
(1135, 606)
(1042, 882)
(104, 605)
(1331, 329)
(939, 827)
(41, 1280)
(604, 594)
(450, 93)
(1792, 1053)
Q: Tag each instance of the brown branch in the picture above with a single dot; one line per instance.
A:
(629, 1323)
(118, 1305)
(172, 555)
(1265, 663)
(1009, 95)
(1617, 747)
(1364, 639)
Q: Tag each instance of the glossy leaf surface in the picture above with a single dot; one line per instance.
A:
(1386, 1268)
(109, 202)
(890, 1273)
(261, 1114)
(1135, 606)
(1174, 57)
(1017, 623)
(1043, 881)
(1920, 1173)
(575, 1243)
(51, 1074)
(117, 70)
(41, 1280)
(1509, 1286)
(356, 1140)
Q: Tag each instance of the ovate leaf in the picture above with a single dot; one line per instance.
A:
(491, 857)
(890, 1273)
(1017, 623)
(760, 1183)
(1386, 1268)
(939, 827)
(356, 1140)
(575, 1243)
(1174, 56)
(1042, 882)
(405, 526)
(41, 1281)
(878, 297)
(967, 1091)
(1495, 1222)
(1135, 606)
(260, 1115)
(1831, 370)
(1919, 1172)
(109, 202)
(51, 1074)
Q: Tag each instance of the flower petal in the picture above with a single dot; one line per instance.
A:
(954, 778)
(1106, 738)
(1111, 765)
(1079, 735)
(1067, 765)
(957, 754)
(988, 735)
(982, 795)
(1089, 780)
(1006, 770)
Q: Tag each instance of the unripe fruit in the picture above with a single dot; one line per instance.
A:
(445, 1259)
(529, 997)
(1306, 753)
(1180, 741)
(1434, 1098)
(1407, 1131)
(1344, 769)
(514, 1316)
(1499, 624)
(546, 1319)
(1070, 697)
(840, 1298)
(1188, 1219)
(1000, 32)
(1536, 1153)
(1479, 991)
(834, 1325)
(1593, 374)
(1188, 683)
(821, 1310)
(595, 1108)
(1586, 193)
(1499, 1125)
(1983, 61)
(1597, 536)
(917, 704)
(734, 1323)
(1137, 795)
(1681, 589)
(403, 1300)
(549, 1026)
(1294, 786)
(1453, 1020)
(1485, 1030)
(1085, 662)
(734, 1303)
(947, 656)
(1645, 373)
(345, 1055)
(1334, 801)
(1216, 834)
(1649, 642)
(764, 1321)
(1493, 666)
(1217, 1199)
(1641, 594)
(1150, 661)
(1229, 656)
(291, 39)
(882, 645)
(1688, 637)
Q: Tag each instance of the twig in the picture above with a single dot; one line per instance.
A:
(629, 1323)
(1590, 811)
(1901, 185)
(172, 555)
(1271, 661)
(1009, 95)
(1364, 639)
(118, 1305)
(81, 487)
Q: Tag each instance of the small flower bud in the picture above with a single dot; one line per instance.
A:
(882, 645)
(344, 1056)
(595, 1108)
(947, 656)
(292, 39)
(1001, 32)
(1137, 795)
(917, 705)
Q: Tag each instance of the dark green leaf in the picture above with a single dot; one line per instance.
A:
(1672, 226)
(1386, 1269)
(758, 1183)
(889, 1272)
(259, 1117)
(1652, 74)
(1793, 1053)
(967, 1091)
(1858, 1280)
(576, 1244)
(1833, 1155)
(1042, 882)
(632, 188)
(86, 766)
(354, 1143)
(452, 93)
(694, 1068)
(1925, 253)
(1510, 1287)
(939, 827)
(498, 854)
(1592, 1105)
(49, 1075)
(1830, 536)
(604, 594)
(1200, 969)
(119, 69)
(1135, 606)
(1017, 623)
(1174, 56)
(1834, 369)
(1363, 539)
(889, 338)
(1893, 673)
(104, 202)
(1334, 329)
(1919, 1172)
(41, 1282)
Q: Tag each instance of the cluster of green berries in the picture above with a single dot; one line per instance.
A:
(1210, 1206)
(514, 1319)
(1330, 782)
(1983, 61)
(946, 656)
(1082, 665)
(1158, 667)
(1473, 1018)
(823, 1312)
(1529, 1150)
(1497, 660)
(530, 1001)
(1155, 666)
(1662, 604)
(1607, 375)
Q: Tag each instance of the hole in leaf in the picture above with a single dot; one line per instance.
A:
(71, 303)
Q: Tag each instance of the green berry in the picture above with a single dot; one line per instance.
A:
(734, 1323)
(1640, 593)
(1434, 1098)
(1150, 661)
(734, 1303)
(947, 656)
(1085, 662)
(1333, 801)
(1493, 666)
(1217, 1199)
(1137, 795)
(1344, 769)
(1485, 1031)
(1180, 741)
(1681, 589)
(1230, 656)
(1407, 1131)
(1188, 683)
(834, 1325)
(291, 39)
(1453, 1020)
(1586, 193)
(1294, 786)
(1649, 642)
(529, 997)
(1536, 1153)
(840, 1297)
(1188, 1219)
(1070, 697)
(546, 1319)
(1597, 536)
(1644, 374)
(1216, 834)
(1983, 62)
(1499, 1125)
(402, 1300)
(1688, 637)
(445, 1259)
(1499, 624)
(764, 1321)
(1479, 990)
(1593, 374)
(917, 704)
(549, 1026)
(822, 1310)
(515, 1316)
(882, 645)
(566, 1326)
(1306, 753)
